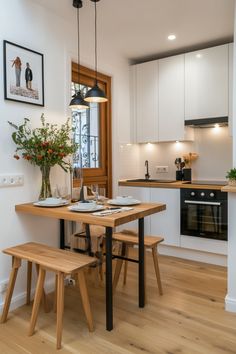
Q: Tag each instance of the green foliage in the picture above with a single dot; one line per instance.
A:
(231, 174)
(48, 145)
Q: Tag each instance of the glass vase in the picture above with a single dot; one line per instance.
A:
(45, 191)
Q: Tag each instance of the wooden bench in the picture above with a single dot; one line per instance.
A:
(129, 238)
(62, 263)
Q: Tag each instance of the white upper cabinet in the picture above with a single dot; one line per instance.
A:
(132, 90)
(231, 52)
(171, 99)
(146, 102)
(206, 83)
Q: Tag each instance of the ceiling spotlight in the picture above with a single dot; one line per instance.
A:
(198, 55)
(172, 37)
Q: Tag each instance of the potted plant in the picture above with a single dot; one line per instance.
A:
(45, 147)
(231, 176)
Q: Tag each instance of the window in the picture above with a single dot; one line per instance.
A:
(93, 132)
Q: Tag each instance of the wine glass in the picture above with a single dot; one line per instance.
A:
(94, 189)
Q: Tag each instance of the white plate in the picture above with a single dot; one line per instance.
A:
(124, 201)
(51, 202)
(92, 208)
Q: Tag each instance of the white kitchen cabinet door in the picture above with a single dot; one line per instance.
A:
(167, 223)
(206, 83)
(142, 194)
(231, 54)
(147, 102)
(171, 99)
(133, 124)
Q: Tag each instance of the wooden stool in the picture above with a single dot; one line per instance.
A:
(128, 239)
(59, 261)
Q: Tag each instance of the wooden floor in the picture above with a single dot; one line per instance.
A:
(188, 319)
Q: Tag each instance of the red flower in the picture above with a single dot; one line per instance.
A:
(39, 157)
(62, 154)
(27, 157)
(50, 151)
(45, 144)
(16, 157)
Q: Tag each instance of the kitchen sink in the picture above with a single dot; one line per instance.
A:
(151, 180)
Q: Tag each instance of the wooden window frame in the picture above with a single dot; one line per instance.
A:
(102, 175)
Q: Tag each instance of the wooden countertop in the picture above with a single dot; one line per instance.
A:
(173, 185)
(229, 189)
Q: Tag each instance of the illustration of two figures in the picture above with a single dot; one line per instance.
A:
(28, 73)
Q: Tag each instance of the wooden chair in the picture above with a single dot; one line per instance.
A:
(62, 263)
(92, 245)
(129, 238)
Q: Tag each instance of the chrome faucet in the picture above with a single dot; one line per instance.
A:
(147, 175)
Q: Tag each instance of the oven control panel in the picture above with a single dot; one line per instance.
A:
(203, 194)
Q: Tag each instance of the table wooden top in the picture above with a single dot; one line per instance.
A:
(139, 211)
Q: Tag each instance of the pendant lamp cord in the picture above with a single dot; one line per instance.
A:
(96, 65)
(78, 49)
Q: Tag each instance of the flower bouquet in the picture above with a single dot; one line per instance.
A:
(45, 147)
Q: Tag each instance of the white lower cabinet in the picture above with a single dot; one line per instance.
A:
(139, 193)
(166, 223)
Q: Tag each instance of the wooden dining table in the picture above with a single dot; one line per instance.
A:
(138, 212)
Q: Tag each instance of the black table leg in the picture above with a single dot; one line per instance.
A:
(62, 234)
(141, 262)
(109, 299)
(88, 237)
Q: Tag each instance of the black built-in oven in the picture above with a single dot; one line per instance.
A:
(204, 213)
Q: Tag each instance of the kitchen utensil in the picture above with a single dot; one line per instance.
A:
(178, 162)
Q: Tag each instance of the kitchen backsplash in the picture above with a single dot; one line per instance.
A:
(213, 145)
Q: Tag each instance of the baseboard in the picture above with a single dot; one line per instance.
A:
(230, 304)
(193, 255)
(20, 299)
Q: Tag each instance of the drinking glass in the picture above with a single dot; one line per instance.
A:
(94, 188)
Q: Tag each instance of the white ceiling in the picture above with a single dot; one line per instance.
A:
(138, 29)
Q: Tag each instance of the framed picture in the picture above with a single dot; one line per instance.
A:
(23, 74)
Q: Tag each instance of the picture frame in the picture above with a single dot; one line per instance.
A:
(23, 74)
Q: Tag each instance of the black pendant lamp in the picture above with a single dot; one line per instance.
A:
(95, 94)
(78, 101)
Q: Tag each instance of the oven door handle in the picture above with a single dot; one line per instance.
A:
(201, 203)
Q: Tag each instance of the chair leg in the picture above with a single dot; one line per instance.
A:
(60, 307)
(44, 297)
(118, 267)
(16, 263)
(55, 294)
(29, 281)
(85, 299)
(156, 266)
(37, 300)
(126, 265)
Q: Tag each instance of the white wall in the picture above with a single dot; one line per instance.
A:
(26, 23)
(230, 300)
(214, 147)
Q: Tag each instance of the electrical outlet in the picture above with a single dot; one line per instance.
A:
(3, 286)
(162, 169)
(11, 180)
(69, 281)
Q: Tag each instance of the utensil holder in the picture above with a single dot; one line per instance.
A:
(179, 175)
(187, 174)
